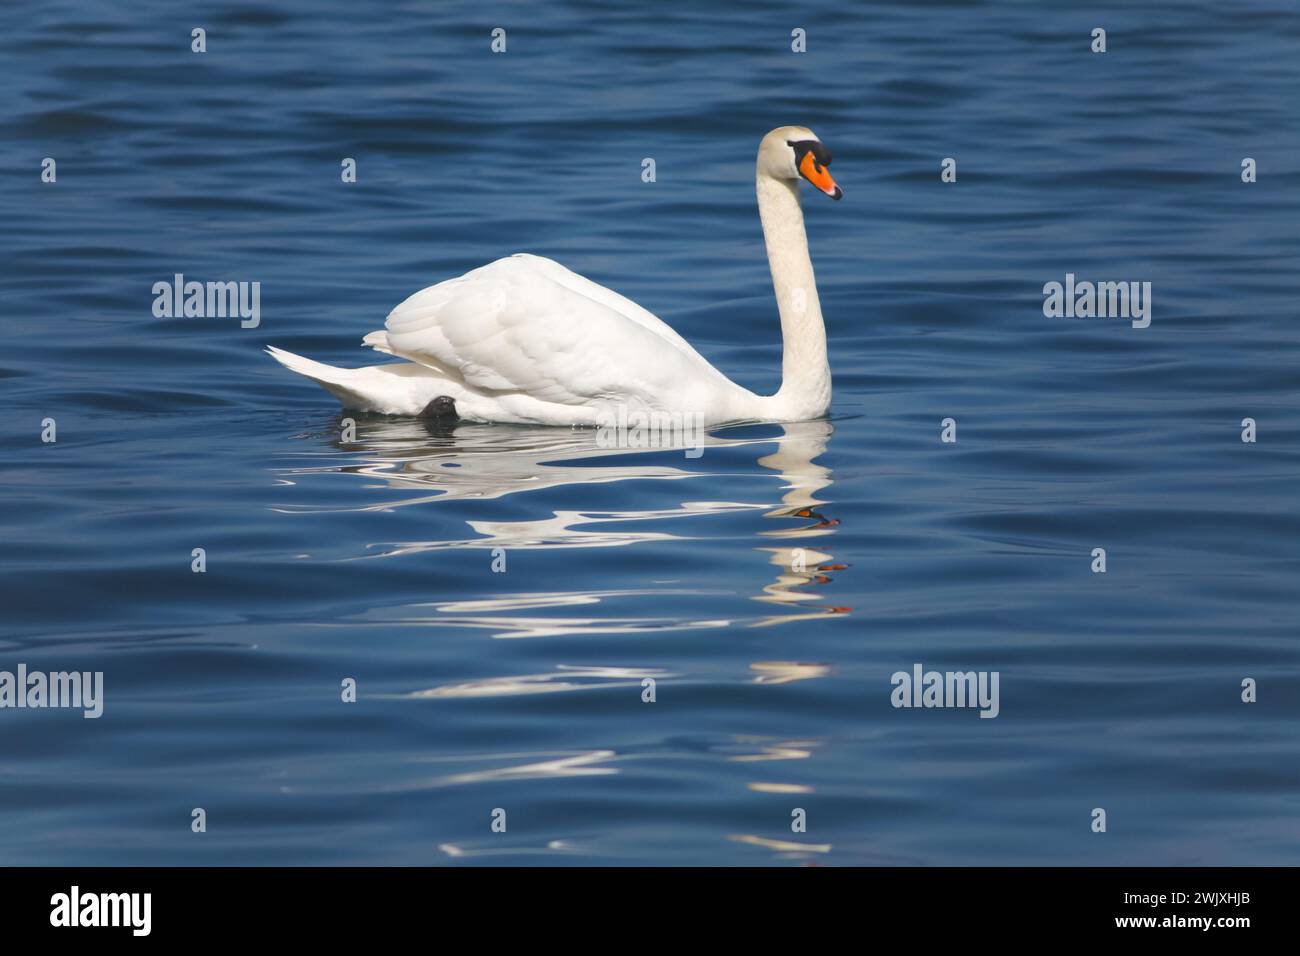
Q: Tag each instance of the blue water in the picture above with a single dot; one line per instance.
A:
(522, 690)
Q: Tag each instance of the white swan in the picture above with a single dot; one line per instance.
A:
(525, 340)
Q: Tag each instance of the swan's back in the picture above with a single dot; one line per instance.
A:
(525, 324)
(526, 273)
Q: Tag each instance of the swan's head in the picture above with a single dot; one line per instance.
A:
(795, 152)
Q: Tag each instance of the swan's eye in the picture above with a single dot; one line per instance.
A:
(803, 147)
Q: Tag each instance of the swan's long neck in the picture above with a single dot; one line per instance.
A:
(805, 373)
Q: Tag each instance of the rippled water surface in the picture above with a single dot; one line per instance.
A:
(522, 690)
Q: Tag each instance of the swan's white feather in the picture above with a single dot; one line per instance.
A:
(525, 339)
(402, 388)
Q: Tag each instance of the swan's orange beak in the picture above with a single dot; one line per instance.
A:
(819, 176)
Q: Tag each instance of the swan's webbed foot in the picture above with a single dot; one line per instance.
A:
(442, 409)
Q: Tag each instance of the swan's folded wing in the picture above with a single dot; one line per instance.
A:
(527, 324)
(524, 263)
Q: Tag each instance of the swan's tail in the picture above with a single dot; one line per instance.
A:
(400, 389)
(335, 380)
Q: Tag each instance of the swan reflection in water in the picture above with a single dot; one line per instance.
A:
(426, 465)
(476, 462)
